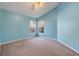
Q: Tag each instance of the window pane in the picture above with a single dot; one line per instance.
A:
(41, 26)
(32, 26)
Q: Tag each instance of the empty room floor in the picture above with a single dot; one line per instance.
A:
(36, 46)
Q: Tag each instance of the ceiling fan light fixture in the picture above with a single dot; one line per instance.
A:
(38, 4)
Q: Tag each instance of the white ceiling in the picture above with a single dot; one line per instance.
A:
(26, 8)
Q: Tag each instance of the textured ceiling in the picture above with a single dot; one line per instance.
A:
(26, 8)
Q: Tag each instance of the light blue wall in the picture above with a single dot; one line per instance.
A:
(0, 27)
(15, 26)
(50, 20)
(68, 24)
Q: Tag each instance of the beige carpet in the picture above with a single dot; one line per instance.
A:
(37, 46)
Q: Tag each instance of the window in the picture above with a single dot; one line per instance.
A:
(41, 26)
(32, 26)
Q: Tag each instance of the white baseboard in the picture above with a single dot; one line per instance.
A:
(30, 36)
(63, 44)
(48, 37)
(68, 46)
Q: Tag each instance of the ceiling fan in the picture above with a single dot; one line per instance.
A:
(37, 5)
